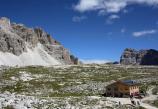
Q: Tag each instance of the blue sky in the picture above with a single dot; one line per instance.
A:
(91, 29)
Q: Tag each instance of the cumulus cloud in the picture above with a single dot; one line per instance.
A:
(87, 5)
(95, 61)
(143, 33)
(78, 18)
(110, 6)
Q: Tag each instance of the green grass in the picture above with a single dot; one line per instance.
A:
(51, 77)
(67, 94)
(9, 107)
(19, 87)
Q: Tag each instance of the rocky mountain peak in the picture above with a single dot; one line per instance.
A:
(17, 39)
(5, 23)
(140, 57)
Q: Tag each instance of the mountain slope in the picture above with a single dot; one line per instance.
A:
(24, 46)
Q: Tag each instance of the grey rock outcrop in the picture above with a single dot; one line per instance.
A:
(10, 42)
(16, 38)
(141, 57)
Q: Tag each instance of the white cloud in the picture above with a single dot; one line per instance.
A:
(95, 61)
(87, 5)
(112, 18)
(110, 6)
(102, 13)
(113, 6)
(143, 33)
(78, 18)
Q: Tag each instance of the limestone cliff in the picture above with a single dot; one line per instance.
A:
(141, 57)
(20, 43)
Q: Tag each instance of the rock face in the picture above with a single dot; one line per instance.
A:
(17, 40)
(141, 57)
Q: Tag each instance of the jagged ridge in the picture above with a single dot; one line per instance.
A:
(141, 57)
(20, 44)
